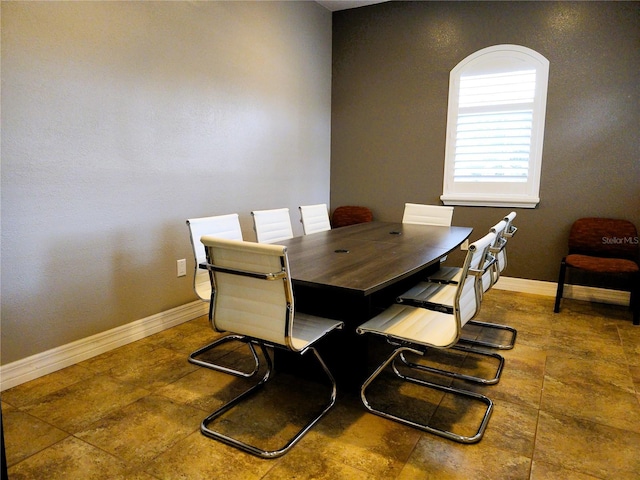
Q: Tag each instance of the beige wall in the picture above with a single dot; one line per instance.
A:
(391, 65)
(122, 119)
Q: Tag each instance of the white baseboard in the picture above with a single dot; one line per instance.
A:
(58, 358)
(575, 292)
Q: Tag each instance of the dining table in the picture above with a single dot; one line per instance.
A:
(351, 273)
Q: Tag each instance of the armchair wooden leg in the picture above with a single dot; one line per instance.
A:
(563, 270)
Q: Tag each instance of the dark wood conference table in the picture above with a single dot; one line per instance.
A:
(366, 257)
(351, 273)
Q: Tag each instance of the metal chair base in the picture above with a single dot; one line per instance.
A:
(500, 346)
(255, 450)
(221, 368)
(461, 376)
(447, 389)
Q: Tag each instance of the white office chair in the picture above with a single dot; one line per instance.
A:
(500, 252)
(440, 294)
(415, 329)
(427, 214)
(314, 218)
(221, 226)
(419, 214)
(272, 225)
(451, 275)
(253, 298)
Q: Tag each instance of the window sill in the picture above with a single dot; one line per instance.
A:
(479, 201)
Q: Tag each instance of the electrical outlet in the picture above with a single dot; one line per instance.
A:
(182, 267)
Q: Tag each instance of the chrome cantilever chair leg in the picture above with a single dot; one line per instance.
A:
(461, 376)
(447, 389)
(221, 368)
(204, 428)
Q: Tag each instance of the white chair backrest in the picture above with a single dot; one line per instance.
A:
(510, 230)
(314, 218)
(244, 303)
(497, 249)
(223, 226)
(469, 294)
(427, 214)
(272, 225)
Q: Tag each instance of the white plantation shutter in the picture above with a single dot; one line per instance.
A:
(493, 146)
(497, 101)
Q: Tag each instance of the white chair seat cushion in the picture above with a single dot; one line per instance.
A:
(453, 274)
(422, 326)
(307, 329)
(432, 292)
(447, 274)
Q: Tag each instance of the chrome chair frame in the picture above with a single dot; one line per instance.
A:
(399, 352)
(222, 274)
(253, 449)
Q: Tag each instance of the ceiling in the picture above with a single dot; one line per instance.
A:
(335, 5)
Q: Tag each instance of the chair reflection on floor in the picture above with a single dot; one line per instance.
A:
(253, 297)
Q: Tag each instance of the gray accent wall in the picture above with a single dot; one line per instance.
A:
(120, 120)
(391, 65)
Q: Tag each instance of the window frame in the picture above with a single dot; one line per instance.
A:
(486, 193)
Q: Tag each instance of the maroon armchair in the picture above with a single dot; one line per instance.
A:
(350, 215)
(604, 246)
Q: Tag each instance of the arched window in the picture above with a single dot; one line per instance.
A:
(495, 128)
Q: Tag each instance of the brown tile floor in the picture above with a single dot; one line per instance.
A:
(567, 407)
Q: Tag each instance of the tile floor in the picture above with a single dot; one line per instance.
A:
(567, 407)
